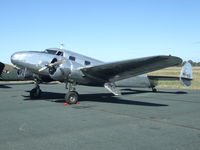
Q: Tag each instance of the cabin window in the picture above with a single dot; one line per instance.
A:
(87, 63)
(72, 58)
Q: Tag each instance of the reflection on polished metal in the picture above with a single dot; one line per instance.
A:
(56, 64)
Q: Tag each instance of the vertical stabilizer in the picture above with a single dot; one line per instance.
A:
(186, 75)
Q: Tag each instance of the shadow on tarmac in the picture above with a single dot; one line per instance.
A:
(5, 86)
(99, 97)
(109, 98)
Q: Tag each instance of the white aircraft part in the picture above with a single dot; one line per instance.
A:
(112, 88)
(186, 74)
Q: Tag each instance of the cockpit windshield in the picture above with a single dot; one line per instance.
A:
(50, 51)
(54, 52)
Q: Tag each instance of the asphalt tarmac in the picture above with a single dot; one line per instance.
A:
(140, 119)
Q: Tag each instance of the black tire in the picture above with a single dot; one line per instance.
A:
(154, 90)
(71, 97)
(35, 93)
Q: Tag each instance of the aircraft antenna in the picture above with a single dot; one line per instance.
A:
(61, 46)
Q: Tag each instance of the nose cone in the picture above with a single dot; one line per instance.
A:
(17, 57)
(14, 58)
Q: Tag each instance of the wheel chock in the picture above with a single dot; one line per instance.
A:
(66, 104)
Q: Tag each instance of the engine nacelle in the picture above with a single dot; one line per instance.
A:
(61, 72)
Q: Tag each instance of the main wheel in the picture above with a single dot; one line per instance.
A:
(154, 90)
(35, 93)
(71, 97)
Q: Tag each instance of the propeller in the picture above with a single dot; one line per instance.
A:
(51, 65)
(62, 71)
(59, 70)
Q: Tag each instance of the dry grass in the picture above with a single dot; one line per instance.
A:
(8, 67)
(175, 71)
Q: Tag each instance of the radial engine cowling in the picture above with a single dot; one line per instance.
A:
(60, 72)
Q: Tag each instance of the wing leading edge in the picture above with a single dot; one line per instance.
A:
(115, 71)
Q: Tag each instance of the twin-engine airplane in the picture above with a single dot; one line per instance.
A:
(73, 69)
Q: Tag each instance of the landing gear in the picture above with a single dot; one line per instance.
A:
(71, 96)
(154, 89)
(35, 93)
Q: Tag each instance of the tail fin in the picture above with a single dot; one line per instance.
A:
(186, 74)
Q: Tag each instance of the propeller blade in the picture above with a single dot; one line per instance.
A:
(57, 63)
(15, 67)
(43, 68)
(50, 65)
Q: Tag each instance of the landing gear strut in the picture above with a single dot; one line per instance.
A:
(35, 93)
(71, 96)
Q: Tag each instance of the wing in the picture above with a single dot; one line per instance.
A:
(111, 72)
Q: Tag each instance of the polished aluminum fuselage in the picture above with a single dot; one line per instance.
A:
(32, 61)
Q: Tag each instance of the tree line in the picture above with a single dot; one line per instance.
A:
(194, 63)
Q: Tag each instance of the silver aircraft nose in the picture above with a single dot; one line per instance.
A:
(14, 58)
(17, 57)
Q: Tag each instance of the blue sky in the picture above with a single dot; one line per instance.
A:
(108, 30)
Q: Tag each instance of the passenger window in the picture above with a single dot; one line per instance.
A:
(87, 63)
(72, 58)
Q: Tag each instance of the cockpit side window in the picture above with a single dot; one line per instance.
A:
(87, 63)
(72, 58)
(59, 53)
